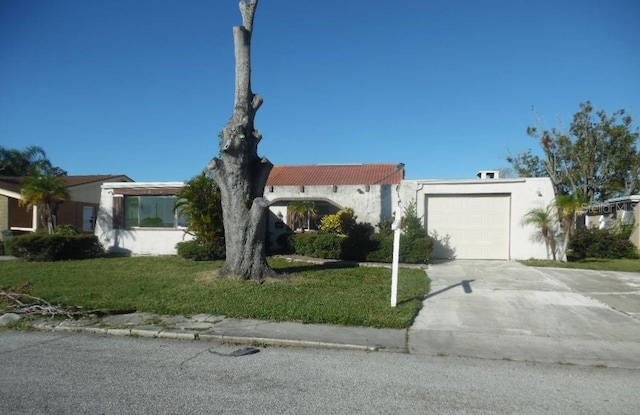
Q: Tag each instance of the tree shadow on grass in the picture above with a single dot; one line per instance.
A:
(409, 299)
(304, 267)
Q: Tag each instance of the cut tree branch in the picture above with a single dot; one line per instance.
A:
(248, 11)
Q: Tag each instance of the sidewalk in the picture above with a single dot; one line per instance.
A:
(229, 330)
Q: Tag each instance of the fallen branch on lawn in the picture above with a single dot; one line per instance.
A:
(36, 306)
(21, 302)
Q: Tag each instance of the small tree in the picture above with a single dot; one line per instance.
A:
(412, 223)
(46, 191)
(544, 220)
(556, 223)
(14, 162)
(300, 211)
(567, 207)
(199, 201)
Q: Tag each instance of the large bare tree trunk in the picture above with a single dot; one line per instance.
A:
(239, 172)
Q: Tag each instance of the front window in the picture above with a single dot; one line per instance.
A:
(152, 212)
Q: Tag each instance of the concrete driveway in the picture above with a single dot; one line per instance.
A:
(505, 310)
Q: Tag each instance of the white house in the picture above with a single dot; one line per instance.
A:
(477, 218)
(369, 189)
(138, 218)
(481, 218)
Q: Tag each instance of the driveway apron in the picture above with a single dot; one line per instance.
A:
(505, 310)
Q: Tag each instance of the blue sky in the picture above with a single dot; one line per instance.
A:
(142, 87)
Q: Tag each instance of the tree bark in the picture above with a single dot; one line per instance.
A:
(240, 173)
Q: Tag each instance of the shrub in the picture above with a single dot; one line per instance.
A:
(412, 250)
(412, 224)
(317, 245)
(303, 243)
(44, 247)
(358, 243)
(381, 248)
(285, 243)
(416, 250)
(601, 243)
(1, 247)
(198, 250)
(328, 245)
(385, 226)
(342, 222)
(67, 230)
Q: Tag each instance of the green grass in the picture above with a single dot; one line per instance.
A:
(601, 264)
(307, 293)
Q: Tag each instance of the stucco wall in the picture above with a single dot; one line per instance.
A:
(137, 241)
(370, 203)
(90, 192)
(526, 194)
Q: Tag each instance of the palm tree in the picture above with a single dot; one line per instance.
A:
(300, 210)
(15, 162)
(45, 191)
(544, 220)
(199, 201)
(567, 206)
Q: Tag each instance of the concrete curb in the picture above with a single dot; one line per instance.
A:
(179, 334)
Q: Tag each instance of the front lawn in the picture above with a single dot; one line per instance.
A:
(307, 293)
(601, 264)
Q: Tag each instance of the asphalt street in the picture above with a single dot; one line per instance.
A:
(83, 373)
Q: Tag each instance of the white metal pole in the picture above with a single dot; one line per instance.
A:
(394, 266)
(397, 221)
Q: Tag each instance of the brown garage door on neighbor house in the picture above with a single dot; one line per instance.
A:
(473, 226)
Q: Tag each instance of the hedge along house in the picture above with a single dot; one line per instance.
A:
(80, 211)
(481, 218)
(369, 189)
(139, 219)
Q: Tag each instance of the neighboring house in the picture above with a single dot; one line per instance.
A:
(79, 211)
(624, 209)
(139, 219)
(369, 189)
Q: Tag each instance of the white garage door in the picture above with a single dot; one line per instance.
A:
(470, 226)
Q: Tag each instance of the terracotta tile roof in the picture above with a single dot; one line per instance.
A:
(338, 174)
(13, 183)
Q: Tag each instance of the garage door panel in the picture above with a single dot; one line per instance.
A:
(477, 226)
